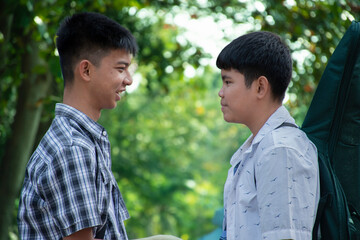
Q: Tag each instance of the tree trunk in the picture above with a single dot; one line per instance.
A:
(6, 21)
(19, 145)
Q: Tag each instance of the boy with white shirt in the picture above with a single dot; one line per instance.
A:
(272, 188)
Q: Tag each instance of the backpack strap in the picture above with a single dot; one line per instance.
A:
(101, 234)
(321, 206)
(287, 124)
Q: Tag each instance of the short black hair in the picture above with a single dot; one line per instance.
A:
(90, 36)
(259, 54)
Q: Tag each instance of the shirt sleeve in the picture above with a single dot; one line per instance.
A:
(286, 182)
(69, 188)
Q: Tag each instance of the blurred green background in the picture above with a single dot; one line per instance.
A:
(170, 144)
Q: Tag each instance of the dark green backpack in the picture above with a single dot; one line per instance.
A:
(333, 124)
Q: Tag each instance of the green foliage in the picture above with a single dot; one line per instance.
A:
(170, 145)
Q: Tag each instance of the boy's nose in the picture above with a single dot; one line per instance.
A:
(128, 80)
(221, 93)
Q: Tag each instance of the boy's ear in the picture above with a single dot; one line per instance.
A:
(262, 87)
(84, 70)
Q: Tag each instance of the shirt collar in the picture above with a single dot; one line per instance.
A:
(280, 116)
(94, 128)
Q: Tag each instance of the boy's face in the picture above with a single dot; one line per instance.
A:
(110, 79)
(237, 101)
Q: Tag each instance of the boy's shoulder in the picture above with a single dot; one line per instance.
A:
(280, 130)
(288, 137)
(62, 135)
(65, 132)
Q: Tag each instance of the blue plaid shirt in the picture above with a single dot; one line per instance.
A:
(68, 182)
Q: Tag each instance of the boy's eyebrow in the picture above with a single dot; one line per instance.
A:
(224, 76)
(123, 62)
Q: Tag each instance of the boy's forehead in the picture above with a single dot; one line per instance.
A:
(120, 56)
(229, 72)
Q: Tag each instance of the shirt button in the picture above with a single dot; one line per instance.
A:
(104, 133)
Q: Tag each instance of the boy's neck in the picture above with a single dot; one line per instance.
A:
(80, 101)
(262, 116)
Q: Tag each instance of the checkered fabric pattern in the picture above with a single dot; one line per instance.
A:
(68, 182)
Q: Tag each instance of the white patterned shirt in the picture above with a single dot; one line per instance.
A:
(68, 182)
(272, 188)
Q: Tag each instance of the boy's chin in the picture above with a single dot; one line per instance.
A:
(229, 120)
